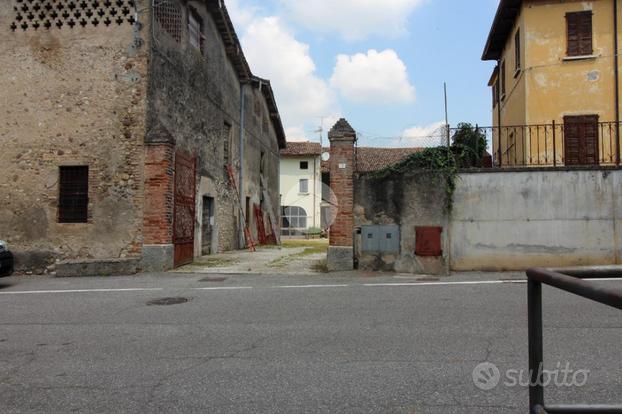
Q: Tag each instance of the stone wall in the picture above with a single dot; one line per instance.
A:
(195, 105)
(72, 97)
(409, 201)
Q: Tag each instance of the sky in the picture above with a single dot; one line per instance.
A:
(380, 64)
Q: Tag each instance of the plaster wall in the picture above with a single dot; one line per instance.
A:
(291, 174)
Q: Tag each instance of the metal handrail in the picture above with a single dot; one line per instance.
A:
(569, 282)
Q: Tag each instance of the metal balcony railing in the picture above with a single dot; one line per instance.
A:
(572, 143)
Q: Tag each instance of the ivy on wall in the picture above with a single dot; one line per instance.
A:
(466, 151)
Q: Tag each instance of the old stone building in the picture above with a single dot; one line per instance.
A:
(118, 121)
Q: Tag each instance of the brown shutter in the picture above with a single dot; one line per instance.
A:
(581, 140)
(590, 141)
(579, 33)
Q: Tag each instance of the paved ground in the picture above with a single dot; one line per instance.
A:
(276, 344)
(293, 257)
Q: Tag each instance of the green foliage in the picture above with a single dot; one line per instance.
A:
(430, 159)
(469, 146)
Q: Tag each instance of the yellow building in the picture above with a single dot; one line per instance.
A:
(556, 85)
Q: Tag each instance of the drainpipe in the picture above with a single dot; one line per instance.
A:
(616, 71)
(241, 177)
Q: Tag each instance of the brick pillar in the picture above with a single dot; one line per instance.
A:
(158, 250)
(342, 163)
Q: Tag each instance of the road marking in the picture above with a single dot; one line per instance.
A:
(488, 282)
(309, 286)
(225, 288)
(234, 288)
(33, 292)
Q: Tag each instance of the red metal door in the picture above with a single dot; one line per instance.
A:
(184, 213)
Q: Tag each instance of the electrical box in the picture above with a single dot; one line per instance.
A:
(380, 239)
(428, 241)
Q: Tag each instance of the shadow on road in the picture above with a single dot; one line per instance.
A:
(5, 285)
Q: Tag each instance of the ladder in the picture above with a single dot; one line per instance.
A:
(247, 233)
(271, 216)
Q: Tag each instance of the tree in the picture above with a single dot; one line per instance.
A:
(469, 145)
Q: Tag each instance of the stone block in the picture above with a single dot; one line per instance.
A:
(340, 259)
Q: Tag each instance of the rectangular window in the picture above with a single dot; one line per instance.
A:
(502, 74)
(579, 33)
(304, 165)
(517, 52)
(195, 30)
(73, 199)
(304, 186)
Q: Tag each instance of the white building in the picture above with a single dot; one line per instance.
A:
(301, 187)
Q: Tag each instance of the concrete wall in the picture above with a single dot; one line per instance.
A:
(501, 220)
(72, 97)
(291, 174)
(516, 220)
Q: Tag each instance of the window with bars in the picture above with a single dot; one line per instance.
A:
(73, 194)
(304, 186)
(195, 30)
(168, 14)
(579, 33)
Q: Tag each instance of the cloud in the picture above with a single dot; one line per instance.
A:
(274, 53)
(353, 19)
(423, 136)
(374, 77)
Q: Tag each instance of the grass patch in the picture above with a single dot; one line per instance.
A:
(311, 248)
(311, 243)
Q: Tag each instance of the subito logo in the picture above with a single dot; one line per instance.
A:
(486, 376)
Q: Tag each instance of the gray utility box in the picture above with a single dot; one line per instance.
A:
(380, 239)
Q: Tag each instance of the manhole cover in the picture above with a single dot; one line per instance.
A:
(213, 279)
(167, 301)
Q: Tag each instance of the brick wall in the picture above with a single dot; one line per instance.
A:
(342, 138)
(158, 215)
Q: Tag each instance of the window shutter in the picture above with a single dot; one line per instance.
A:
(579, 33)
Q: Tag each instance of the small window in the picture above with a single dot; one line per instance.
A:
(502, 74)
(304, 186)
(579, 33)
(195, 30)
(73, 199)
(304, 165)
(517, 52)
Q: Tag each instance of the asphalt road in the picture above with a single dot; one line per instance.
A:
(304, 344)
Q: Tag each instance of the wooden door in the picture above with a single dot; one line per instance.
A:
(581, 140)
(184, 213)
